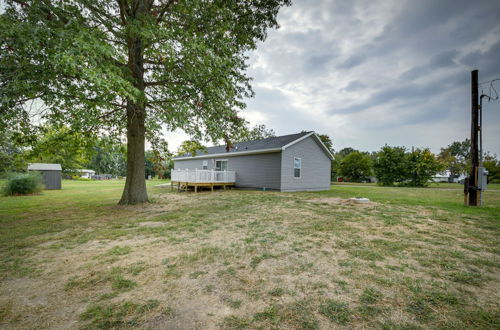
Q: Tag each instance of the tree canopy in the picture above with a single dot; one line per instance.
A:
(356, 166)
(422, 165)
(131, 66)
(390, 165)
(456, 158)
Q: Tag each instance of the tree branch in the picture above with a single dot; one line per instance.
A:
(123, 11)
(165, 9)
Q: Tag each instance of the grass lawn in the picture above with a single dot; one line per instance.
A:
(413, 258)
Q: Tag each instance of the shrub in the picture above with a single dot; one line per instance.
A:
(23, 184)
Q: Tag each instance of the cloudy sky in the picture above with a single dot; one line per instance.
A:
(369, 73)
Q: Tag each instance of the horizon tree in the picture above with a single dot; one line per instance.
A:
(456, 157)
(131, 67)
(356, 166)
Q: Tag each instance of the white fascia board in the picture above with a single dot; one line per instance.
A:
(298, 140)
(323, 146)
(231, 154)
(317, 139)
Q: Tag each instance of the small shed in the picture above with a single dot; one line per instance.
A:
(51, 174)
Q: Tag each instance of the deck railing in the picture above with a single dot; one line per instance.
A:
(198, 176)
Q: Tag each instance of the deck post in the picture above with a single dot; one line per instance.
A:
(195, 188)
(212, 186)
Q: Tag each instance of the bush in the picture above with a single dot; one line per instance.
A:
(23, 184)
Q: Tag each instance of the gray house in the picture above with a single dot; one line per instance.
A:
(51, 174)
(295, 162)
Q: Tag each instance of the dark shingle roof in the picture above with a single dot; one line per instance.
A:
(269, 143)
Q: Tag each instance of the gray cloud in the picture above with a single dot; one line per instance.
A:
(444, 59)
(385, 71)
(354, 86)
(352, 61)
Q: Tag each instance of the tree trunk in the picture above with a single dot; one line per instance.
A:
(135, 185)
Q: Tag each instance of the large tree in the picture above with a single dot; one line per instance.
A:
(131, 66)
(257, 132)
(62, 146)
(356, 166)
(391, 165)
(422, 166)
(108, 157)
(492, 164)
(456, 158)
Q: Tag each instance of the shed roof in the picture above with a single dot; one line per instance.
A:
(271, 144)
(44, 167)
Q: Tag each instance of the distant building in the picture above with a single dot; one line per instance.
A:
(51, 174)
(86, 173)
(444, 177)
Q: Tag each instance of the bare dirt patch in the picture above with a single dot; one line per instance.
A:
(340, 201)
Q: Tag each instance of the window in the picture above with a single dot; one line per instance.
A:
(297, 167)
(221, 165)
(205, 165)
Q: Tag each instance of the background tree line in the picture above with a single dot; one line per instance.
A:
(104, 155)
(416, 167)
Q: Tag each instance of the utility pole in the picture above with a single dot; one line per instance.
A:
(473, 178)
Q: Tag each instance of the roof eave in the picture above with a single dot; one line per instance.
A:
(231, 154)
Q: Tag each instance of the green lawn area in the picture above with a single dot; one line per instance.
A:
(413, 258)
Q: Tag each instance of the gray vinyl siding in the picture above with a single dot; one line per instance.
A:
(51, 179)
(252, 171)
(192, 164)
(315, 172)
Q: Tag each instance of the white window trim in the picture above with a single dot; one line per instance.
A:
(294, 168)
(220, 160)
(204, 164)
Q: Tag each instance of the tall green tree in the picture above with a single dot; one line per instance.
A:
(492, 164)
(456, 158)
(157, 163)
(356, 166)
(256, 132)
(131, 66)
(109, 157)
(327, 141)
(422, 166)
(192, 147)
(337, 159)
(59, 144)
(391, 165)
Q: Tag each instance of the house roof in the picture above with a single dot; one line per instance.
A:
(44, 167)
(272, 144)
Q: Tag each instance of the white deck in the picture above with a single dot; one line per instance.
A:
(203, 176)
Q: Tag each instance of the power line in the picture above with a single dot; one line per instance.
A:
(491, 89)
